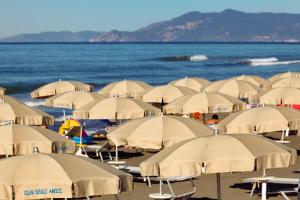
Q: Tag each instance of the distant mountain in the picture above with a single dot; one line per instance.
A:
(63, 36)
(227, 26)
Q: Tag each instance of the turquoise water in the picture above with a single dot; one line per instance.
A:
(24, 67)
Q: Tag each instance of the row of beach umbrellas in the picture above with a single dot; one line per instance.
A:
(177, 136)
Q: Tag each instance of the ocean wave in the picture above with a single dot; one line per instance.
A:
(198, 58)
(182, 58)
(62, 118)
(35, 103)
(270, 61)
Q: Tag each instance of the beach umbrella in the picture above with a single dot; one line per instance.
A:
(194, 83)
(288, 74)
(235, 88)
(19, 113)
(72, 100)
(261, 120)
(115, 108)
(218, 154)
(42, 176)
(59, 87)
(255, 80)
(20, 139)
(166, 93)
(204, 102)
(293, 82)
(125, 88)
(157, 132)
(2, 90)
(277, 96)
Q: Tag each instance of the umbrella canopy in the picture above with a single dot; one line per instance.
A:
(234, 88)
(276, 96)
(261, 120)
(59, 87)
(19, 113)
(19, 139)
(41, 176)
(166, 93)
(293, 82)
(218, 154)
(157, 132)
(195, 83)
(255, 80)
(115, 108)
(2, 90)
(288, 74)
(204, 102)
(73, 100)
(125, 88)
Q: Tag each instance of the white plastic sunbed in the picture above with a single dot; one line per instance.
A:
(286, 181)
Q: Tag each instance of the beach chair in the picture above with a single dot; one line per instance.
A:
(99, 150)
(286, 181)
(172, 194)
(285, 133)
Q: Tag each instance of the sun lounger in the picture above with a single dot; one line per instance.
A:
(172, 196)
(137, 171)
(287, 181)
(83, 150)
(99, 149)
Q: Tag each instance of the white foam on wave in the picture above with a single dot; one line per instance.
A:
(198, 58)
(270, 61)
(62, 118)
(35, 103)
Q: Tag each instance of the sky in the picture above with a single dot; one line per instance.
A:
(32, 16)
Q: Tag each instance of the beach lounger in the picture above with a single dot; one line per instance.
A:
(287, 181)
(83, 150)
(172, 194)
(99, 149)
(137, 171)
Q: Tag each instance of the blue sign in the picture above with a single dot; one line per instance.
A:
(43, 191)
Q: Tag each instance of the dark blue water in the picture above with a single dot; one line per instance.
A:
(24, 67)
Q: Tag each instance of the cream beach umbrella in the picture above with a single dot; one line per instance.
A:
(125, 88)
(277, 96)
(115, 108)
(20, 139)
(261, 120)
(59, 87)
(166, 93)
(194, 83)
(204, 102)
(218, 154)
(42, 176)
(157, 132)
(293, 82)
(235, 88)
(72, 100)
(255, 80)
(2, 90)
(288, 74)
(19, 113)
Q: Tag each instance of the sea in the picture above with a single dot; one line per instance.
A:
(25, 67)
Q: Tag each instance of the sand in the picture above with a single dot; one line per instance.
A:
(232, 186)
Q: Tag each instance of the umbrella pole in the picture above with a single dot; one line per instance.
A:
(80, 139)
(298, 197)
(117, 154)
(160, 186)
(218, 186)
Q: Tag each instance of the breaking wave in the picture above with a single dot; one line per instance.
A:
(35, 103)
(193, 58)
(270, 61)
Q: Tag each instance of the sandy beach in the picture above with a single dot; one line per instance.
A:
(232, 185)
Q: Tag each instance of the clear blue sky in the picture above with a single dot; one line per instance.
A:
(25, 16)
